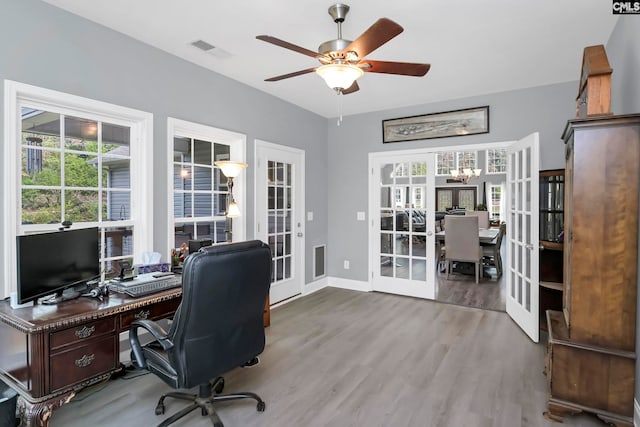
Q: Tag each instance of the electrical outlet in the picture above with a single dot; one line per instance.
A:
(309, 216)
(346, 264)
(360, 216)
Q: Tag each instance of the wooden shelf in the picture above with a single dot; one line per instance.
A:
(551, 285)
(554, 246)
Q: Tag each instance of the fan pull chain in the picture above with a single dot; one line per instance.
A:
(339, 107)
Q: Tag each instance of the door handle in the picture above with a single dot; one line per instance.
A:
(429, 233)
(530, 247)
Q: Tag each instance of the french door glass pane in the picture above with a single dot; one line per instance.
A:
(402, 220)
(280, 219)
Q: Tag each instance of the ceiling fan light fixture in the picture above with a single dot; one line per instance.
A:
(339, 76)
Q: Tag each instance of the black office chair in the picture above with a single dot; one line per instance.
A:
(217, 327)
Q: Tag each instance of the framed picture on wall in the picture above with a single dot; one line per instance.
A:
(470, 121)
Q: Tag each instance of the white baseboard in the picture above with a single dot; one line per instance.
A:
(315, 286)
(636, 413)
(355, 285)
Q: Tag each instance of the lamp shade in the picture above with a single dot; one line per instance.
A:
(233, 211)
(339, 76)
(230, 169)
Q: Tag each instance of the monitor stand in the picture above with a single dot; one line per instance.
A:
(65, 295)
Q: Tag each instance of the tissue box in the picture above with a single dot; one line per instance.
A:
(152, 268)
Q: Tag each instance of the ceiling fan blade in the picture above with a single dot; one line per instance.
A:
(287, 45)
(353, 88)
(379, 33)
(294, 74)
(402, 68)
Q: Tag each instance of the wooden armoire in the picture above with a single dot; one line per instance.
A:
(591, 352)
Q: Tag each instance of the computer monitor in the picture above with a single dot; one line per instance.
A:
(49, 263)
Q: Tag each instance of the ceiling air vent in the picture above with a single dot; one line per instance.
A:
(210, 49)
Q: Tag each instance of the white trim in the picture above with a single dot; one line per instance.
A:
(141, 154)
(315, 286)
(636, 413)
(354, 285)
(237, 143)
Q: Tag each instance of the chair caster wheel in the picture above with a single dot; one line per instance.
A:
(160, 409)
(261, 406)
(219, 387)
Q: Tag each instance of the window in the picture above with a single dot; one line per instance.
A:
(199, 189)
(456, 198)
(496, 202)
(445, 162)
(78, 160)
(497, 160)
(448, 160)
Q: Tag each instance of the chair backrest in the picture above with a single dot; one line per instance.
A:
(483, 218)
(219, 324)
(461, 237)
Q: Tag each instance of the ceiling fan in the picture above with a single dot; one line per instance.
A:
(343, 61)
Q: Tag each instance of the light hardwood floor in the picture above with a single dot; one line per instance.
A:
(461, 289)
(348, 358)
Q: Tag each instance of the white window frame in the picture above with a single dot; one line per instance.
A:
(17, 94)
(456, 161)
(486, 162)
(502, 211)
(237, 143)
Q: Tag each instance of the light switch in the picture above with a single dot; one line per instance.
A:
(309, 216)
(360, 216)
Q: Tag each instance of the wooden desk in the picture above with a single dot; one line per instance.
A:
(487, 235)
(49, 353)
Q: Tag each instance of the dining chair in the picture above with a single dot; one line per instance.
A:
(462, 242)
(483, 218)
(492, 254)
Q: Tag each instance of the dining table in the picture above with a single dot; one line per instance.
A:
(487, 235)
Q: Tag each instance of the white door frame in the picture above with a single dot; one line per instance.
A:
(262, 149)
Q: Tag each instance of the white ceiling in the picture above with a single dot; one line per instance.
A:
(474, 47)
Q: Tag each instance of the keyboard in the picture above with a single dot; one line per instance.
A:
(148, 283)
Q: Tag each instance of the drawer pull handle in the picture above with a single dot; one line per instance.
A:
(85, 361)
(142, 314)
(85, 332)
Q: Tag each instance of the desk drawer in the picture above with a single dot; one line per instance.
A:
(83, 362)
(81, 333)
(154, 312)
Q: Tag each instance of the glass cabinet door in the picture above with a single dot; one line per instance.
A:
(552, 205)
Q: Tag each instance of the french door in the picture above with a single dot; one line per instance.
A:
(402, 213)
(523, 234)
(280, 215)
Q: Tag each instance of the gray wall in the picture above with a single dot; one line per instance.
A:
(513, 115)
(45, 46)
(623, 52)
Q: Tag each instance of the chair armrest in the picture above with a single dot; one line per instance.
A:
(158, 333)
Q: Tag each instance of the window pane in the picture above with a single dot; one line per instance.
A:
(116, 172)
(116, 205)
(118, 242)
(181, 177)
(202, 178)
(81, 206)
(116, 139)
(80, 134)
(80, 170)
(202, 205)
(41, 206)
(181, 149)
(40, 167)
(41, 124)
(202, 152)
(221, 152)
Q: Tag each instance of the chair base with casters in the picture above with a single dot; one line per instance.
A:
(207, 395)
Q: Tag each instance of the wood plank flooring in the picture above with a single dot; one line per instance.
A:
(348, 358)
(460, 289)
